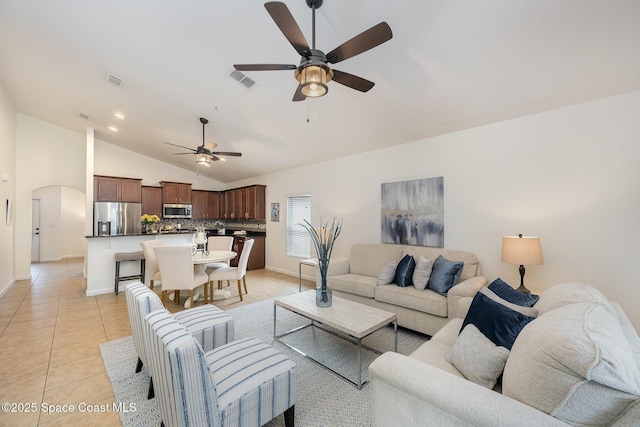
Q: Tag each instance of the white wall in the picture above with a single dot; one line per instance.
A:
(7, 188)
(46, 155)
(569, 176)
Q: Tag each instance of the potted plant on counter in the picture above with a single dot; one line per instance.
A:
(149, 223)
(220, 226)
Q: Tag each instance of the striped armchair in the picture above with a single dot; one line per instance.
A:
(243, 383)
(209, 325)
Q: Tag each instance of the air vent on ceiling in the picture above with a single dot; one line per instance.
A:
(83, 116)
(115, 80)
(242, 78)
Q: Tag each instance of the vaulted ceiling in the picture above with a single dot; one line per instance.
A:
(450, 65)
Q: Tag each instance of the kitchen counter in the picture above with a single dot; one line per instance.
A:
(164, 233)
(100, 261)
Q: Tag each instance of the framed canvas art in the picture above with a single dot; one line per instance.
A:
(413, 212)
(275, 212)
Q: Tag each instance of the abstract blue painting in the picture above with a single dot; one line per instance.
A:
(413, 212)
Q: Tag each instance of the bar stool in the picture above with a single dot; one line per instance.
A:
(128, 256)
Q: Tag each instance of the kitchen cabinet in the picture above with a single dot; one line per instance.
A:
(229, 205)
(114, 189)
(213, 204)
(205, 204)
(256, 257)
(175, 192)
(245, 203)
(152, 200)
(255, 202)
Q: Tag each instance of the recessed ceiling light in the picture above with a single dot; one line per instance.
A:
(113, 128)
(119, 116)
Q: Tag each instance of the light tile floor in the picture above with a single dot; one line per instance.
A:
(49, 337)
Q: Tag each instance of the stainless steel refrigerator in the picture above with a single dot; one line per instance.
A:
(112, 218)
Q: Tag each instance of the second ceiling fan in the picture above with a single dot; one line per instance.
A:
(204, 153)
(313, 73)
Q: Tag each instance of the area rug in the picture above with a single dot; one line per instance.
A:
(324, 399)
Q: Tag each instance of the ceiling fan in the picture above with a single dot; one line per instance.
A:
(204, 153)
(313, 73)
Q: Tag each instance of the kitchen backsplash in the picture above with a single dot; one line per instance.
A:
(254, 225)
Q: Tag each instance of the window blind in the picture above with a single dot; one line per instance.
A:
(298, 239)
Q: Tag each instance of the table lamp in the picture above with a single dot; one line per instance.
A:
(523, 251)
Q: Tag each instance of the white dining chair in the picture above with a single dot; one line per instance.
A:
(234, 273)
(151, 262)
(176, 268)
(218, 243)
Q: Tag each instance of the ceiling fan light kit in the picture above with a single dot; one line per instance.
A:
(313, 79)
(313, 73)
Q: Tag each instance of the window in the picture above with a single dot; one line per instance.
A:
(298, 239)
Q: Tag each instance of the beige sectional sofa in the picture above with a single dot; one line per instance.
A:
(421, 310)
(577, 363)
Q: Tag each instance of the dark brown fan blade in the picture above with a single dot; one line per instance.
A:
(364, 41)
(226, 153)
(181, 146)
(299, 96)
(289, 27)
(354, 82)
(263, 67)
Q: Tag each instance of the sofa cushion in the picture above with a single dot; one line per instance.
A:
(426, 301)
(507, 292)
(571, 293)
(404, 271)
(574, 363)
(370, 258)
(477, 358)
(435, 350)
(388, 273)
(497, 322)
(422, 273)
(444, 274)
(527, 311)
(356, 284)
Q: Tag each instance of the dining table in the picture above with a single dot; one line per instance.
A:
(200, 261)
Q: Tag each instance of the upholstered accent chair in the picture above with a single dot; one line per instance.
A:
(243, 383)
(208, 324)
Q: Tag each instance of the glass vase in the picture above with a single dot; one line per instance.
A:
(323, 296)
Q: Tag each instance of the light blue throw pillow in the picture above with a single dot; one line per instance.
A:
(444, 275)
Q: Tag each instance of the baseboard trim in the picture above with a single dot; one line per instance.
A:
(7, 287)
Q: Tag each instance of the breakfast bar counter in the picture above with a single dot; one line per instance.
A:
(100, 262)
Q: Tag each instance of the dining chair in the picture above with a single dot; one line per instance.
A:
(218, 243)
(211, 326)
(151, 260)
(243, 383)
(176, 268)
(233, 273)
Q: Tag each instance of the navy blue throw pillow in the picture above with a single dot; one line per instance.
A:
(404, 271)
(506, 292)
(444, 275)
(497, 322)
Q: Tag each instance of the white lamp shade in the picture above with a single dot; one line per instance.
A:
(522, 250)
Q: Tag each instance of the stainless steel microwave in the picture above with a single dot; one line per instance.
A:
(176, 211)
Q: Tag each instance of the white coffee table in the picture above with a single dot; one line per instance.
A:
(351, 318)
